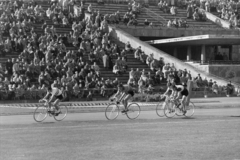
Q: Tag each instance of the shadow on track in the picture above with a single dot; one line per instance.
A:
(46, 122)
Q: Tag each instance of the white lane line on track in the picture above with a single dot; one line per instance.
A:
(89, 126)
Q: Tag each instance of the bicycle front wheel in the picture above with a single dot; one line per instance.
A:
(133, 111)
(160, 109)
(169, 111)
(63, 113)
(112, 111)
(190, 110)
(40, 113)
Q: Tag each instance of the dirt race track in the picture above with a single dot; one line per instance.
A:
(210, 134)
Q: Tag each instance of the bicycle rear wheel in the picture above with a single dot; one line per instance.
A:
(40, 113)
(160, 109)
(133, 111)
(190, 110)
(169, 111)
(112, 111)
(62, 114)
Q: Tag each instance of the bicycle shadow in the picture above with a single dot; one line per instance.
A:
(46, 122)
(188, 118)
(235, 116)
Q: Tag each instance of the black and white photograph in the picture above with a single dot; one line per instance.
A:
(119, 79)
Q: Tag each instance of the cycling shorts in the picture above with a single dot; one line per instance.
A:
(60, 97)
(131, 93)
(185, 92)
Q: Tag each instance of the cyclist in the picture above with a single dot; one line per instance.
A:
(125, 92)
(168, 95)
(180, 92)
(55, 93)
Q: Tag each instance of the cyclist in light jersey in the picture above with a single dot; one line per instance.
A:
(55, 93)
(125, 92)
(168, 94)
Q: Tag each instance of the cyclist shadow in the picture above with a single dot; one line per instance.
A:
(47, 122)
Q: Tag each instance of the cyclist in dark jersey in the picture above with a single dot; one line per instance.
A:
(180, 92)
(125, 92)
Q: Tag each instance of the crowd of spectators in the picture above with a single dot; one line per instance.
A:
(227, 10)
(169, 7)
(129, 18)
(177, 23)
(44, 59)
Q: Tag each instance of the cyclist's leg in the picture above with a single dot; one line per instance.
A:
(125, 100)
(183, 103)
(55, 104)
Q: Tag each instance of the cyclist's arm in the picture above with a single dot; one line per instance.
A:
(45, 98)
(178, 96)
(51, 98)
(174, 94)
(166, 92)
(116, 95)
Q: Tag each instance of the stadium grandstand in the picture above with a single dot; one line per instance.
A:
(86, 48)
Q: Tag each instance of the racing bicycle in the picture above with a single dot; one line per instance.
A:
(44, 110)
(113, 109)
(170, 108)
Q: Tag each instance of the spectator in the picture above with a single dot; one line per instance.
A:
(9, 66)
(196, 16)
(166, 70)
(143, 57)
(90, 96)
(131, 74)
(154, 65)
(173, 10)
(146, 23)
(137, 52)
(169, 24)
(215, 88)
(105, 60)
(117, 69)
(150, 89)
(158, 76)
(190, 11)
(124, 65)
(149, 59)
(141, 85)
(101, 2)
(229, 89)
(210, 83)
(238, 91)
